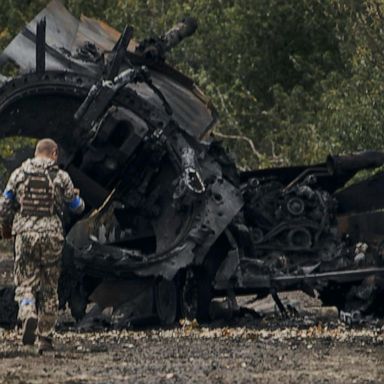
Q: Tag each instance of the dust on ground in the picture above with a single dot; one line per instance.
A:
(248, 350)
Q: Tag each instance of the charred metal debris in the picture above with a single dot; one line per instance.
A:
(171, 223)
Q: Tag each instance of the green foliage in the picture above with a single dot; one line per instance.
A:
(14, 14)
(8, 147)
(300, 79)
(11, 144)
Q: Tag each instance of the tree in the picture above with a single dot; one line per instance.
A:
(292, 81)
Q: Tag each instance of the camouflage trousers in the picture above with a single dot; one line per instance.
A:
(37, 270)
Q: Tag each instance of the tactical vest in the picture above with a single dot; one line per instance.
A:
(38, 195)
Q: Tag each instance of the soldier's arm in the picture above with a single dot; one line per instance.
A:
(7, 210)
(71, 195)
(8, 201)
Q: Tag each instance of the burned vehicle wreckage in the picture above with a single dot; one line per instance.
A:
(170, 222)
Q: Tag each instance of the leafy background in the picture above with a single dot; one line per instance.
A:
(293, 80)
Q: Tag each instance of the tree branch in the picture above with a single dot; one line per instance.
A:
(240, 137)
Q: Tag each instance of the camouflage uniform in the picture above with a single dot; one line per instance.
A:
(38, 243)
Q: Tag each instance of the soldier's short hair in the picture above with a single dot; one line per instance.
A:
(46, 147)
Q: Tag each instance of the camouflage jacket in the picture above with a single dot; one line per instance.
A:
(63, 192)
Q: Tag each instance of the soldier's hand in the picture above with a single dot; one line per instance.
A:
(76, 191)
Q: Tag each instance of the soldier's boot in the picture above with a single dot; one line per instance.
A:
(29, 330)
(28, 317)
(44, 344)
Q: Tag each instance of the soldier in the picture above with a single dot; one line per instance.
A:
(34, 198)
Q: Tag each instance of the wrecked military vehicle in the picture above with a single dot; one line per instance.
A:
(170, 222)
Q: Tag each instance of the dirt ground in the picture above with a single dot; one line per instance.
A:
(261, 351)
(313, 347)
